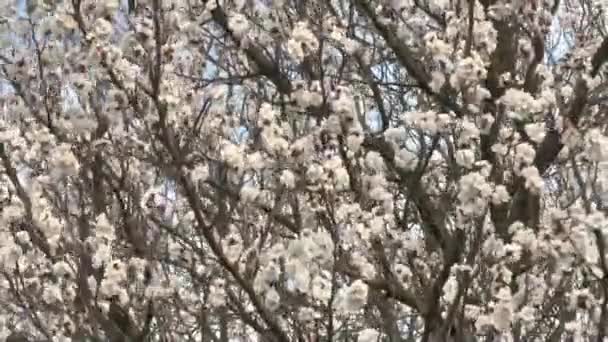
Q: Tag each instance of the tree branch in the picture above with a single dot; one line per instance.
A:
(551, 146)
(406, 57)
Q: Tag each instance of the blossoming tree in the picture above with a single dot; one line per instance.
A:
(340, 170)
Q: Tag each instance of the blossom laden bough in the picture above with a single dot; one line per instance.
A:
(322, 170)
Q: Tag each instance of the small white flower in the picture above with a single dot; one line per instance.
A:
(23, 237)
(465, 158)
(502, 316)
(341, 179)
(301, 280)
(597, 145)
(437, 81)
(102, 255)
(267, 115)
(92, 283)
(406, 160)
(272, 300)
(103, 228)
(525, 238)
(368, 335)
(500, 195)
(65, 162)
(374, 161)
(469, 132)
(308, 99)
(266, 277)
(200, 173)
(500, 149)
(354, 297)
(52, 294)
(526, 314)
(307, 314)
(217, 296)
(536, 131)
(469, 71)
(525, 153)
(436, 46)
(62, 269)
(303, 42)
(520, 103)
(450, 288)
(396, 134)
(288, 179)
(233, 247)
(354, 142)
(321, 289)
(233, 155)
(238, 24)
(534, 181)
(110, 6)
(314, 173)
(103, 28)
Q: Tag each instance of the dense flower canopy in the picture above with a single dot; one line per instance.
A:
(303, 170)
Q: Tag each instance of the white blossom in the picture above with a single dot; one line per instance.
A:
(536, 132)
(307, 314)
(104, 229)
(65, 162)
(525, 153)
(244, 160)
(368, 335)
(374, 161)
(321, 288)
(52, 294)
(500, 195)
(354, 297)
(103, 28)
(272, 299)
(597, 145)
(519, 103)
(342, 179)
(406, 159)
(303, 42)
(465, 158)
(288, 179)
(437, 81)
(233, 156)
(217, 296)
(238, 24)
(200, 173)
(533, 179)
